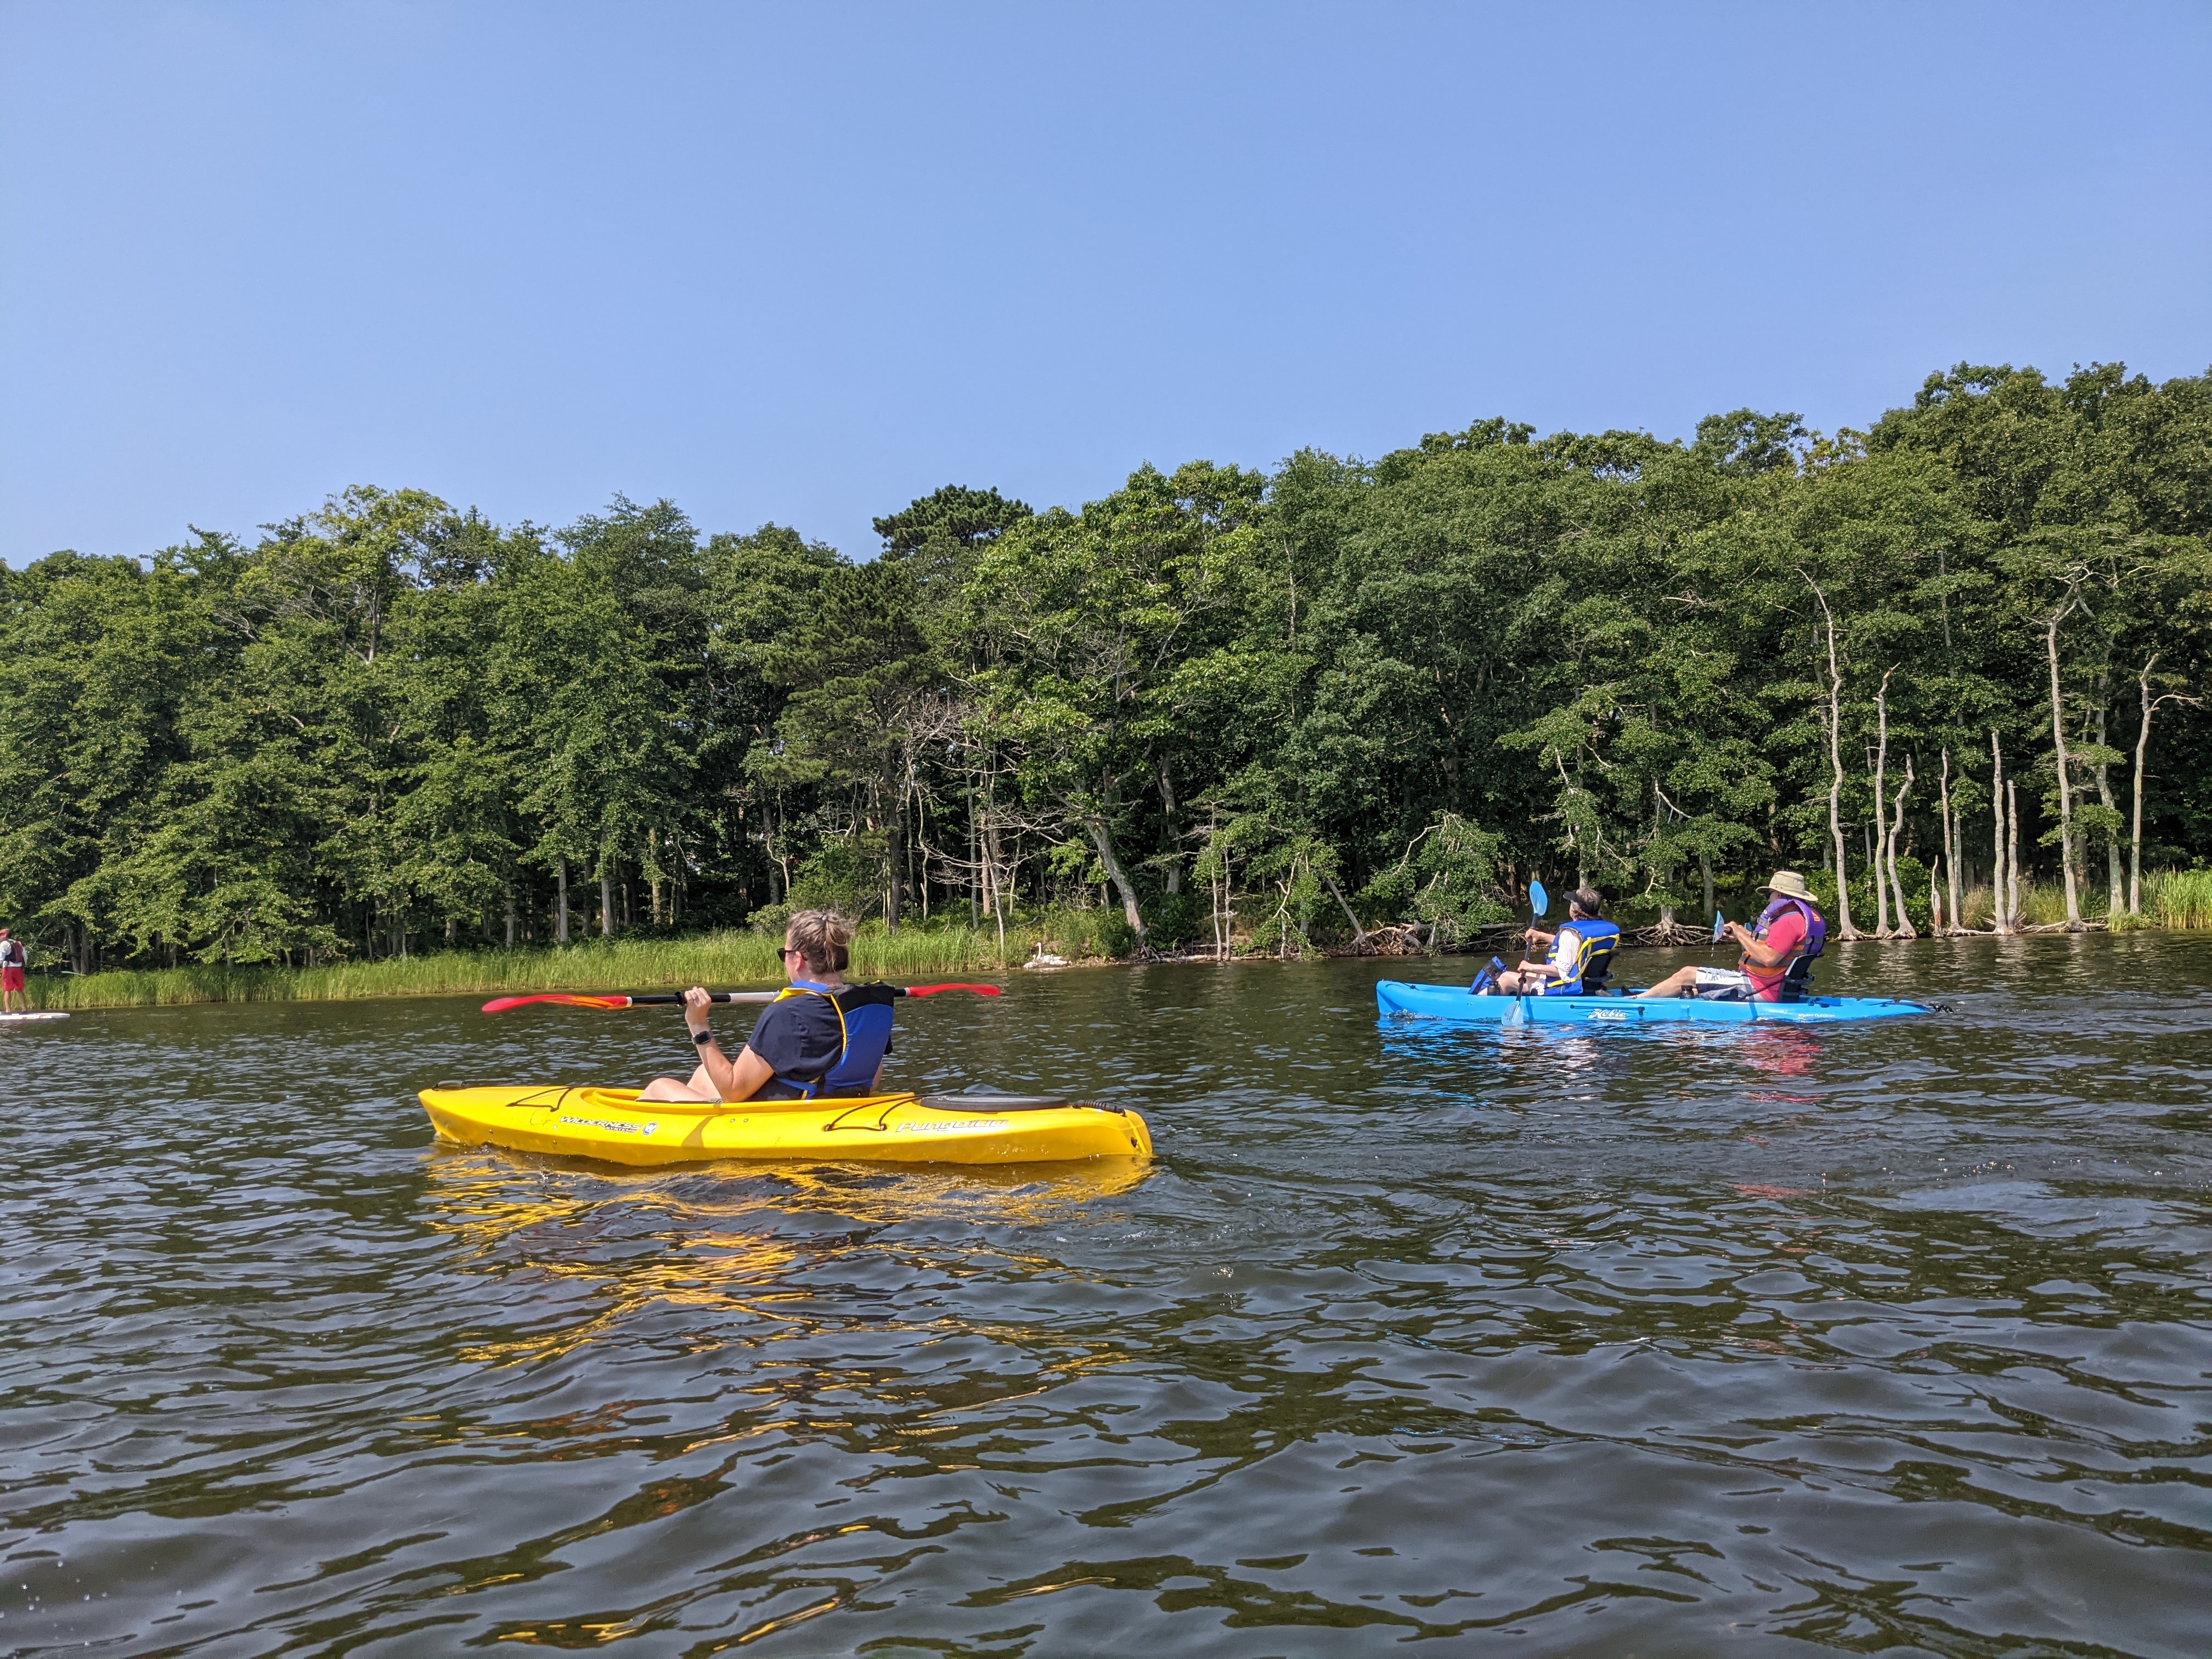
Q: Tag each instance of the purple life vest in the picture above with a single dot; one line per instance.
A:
(1798, 975)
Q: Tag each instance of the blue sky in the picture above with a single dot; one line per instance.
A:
(803, 263)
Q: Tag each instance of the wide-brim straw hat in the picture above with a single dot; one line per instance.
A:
(1790, 884)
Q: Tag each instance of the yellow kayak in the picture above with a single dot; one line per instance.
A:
(612, 1124)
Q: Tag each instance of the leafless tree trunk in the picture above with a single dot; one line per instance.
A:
(1904, 928)
(1215, 858)
(1359, 932)
(2065, 780)
(996, 873)
(2150, 706)
(1952, 848)
(2001, 921)
(2012, 850)
(1834, 723)
(1174, 818)
(1880, 829)
(895, 888)
(2105, 795)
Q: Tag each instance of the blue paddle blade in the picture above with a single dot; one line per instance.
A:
(1538, 900)
(1720, 926)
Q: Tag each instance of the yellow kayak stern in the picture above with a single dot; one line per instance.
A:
(614, 1125)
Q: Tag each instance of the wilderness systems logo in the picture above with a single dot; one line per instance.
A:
(959, 1126)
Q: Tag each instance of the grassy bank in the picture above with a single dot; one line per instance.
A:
(726, 959)
(2180, 899)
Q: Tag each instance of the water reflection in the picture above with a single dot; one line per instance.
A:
(1540, 1341)
(704, 1239)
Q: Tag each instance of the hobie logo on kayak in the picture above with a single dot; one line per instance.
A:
(1612, 1013)
(619, 1128)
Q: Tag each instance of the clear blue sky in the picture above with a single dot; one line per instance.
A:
(806, 262)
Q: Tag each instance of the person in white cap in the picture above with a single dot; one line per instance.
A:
(1778, 951)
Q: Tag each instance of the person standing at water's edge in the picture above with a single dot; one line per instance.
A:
(12, 961)
(1777, 951)
(820, 1036)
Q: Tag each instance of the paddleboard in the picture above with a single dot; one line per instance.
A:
(38, 1018)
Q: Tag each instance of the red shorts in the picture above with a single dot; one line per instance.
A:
(11, 979)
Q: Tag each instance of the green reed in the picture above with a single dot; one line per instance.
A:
(726, 960)
(2180, 898)
(2172, 899)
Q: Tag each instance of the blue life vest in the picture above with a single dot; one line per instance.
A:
(1798, 977)
(1582, 968)
(866, 1034)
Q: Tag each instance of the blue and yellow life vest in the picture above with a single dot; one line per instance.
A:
(864, 1038)
(1581, 967)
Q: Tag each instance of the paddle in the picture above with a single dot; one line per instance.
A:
(500, 1004)
(1538, 900)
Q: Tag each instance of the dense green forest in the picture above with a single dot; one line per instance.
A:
(1295, 706)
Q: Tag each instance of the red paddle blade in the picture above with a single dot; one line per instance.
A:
(500, 1004)
(932, 990)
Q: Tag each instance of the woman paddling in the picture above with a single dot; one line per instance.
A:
(820, 1036)
(1778, 951)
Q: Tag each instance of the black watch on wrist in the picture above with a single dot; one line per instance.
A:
(702, 1036)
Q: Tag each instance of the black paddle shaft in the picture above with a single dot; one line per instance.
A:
(712, 996)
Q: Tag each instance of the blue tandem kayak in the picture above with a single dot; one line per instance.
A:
(1456, 1002)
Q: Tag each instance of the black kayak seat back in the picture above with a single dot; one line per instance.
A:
(1597, 966)
(1597, 954)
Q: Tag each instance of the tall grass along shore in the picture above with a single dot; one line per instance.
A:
(2177, 899)
(728, 959)
(2181, 899)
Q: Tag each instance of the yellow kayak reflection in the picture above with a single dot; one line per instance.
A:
(614, 1125)
(634, 1238)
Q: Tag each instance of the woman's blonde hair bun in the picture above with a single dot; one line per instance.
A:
(822, 939)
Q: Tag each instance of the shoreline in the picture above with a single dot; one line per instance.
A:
(730, 959)
(738, 961)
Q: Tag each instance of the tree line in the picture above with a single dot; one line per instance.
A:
(1214, 703)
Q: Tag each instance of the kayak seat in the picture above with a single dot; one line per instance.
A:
(1597, 967)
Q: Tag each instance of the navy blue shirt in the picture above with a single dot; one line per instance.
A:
(800, 1036)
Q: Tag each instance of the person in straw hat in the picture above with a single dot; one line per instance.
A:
(1778, 951)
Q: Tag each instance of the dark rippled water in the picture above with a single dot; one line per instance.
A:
(1892, 1338)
